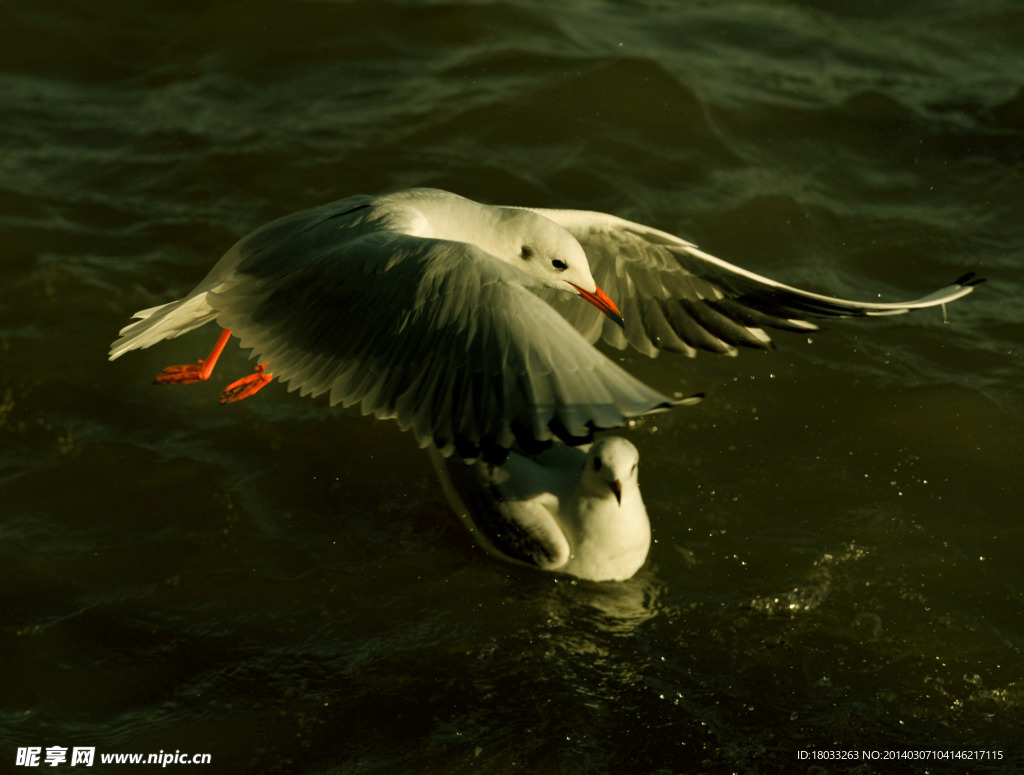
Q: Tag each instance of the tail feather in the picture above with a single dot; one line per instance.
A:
(166, 321)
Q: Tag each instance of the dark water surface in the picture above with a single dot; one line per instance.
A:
(838, 557)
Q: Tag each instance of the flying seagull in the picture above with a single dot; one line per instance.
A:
(469, 324)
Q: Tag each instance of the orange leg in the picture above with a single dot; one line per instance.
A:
(246, 386)
(194, 372)
(201, 370)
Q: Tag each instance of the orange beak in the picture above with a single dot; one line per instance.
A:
(603, 302)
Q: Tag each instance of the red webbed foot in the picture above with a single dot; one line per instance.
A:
(194, 372)
(247, 385)
(182, 375)
(197, 372)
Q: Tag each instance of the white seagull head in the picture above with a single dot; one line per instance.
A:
(547, 252)
(610, 468)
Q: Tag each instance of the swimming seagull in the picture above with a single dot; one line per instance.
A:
(567, 509)
(464, 321)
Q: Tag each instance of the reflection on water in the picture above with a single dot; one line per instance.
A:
(615, 608)
(837, 539)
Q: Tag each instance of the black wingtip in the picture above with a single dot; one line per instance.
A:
(970, 279)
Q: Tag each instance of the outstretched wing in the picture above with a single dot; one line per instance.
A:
(438, 335)
(675, 297)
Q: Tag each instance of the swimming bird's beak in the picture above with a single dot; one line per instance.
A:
(617, 489)
(603, 302)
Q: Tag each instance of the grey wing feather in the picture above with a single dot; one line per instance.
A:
(437, 335)
(499, 520)
(675, 297)
(264, 252)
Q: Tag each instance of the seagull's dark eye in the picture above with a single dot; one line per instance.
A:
(597, 464)
(526, 253)
(559, 264)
